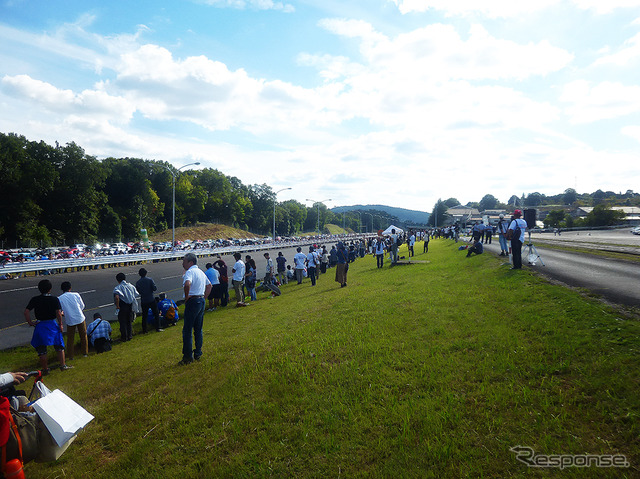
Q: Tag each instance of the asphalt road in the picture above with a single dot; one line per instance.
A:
(618, 281)
(96, 289)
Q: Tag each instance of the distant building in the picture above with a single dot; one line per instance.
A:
(632, 213)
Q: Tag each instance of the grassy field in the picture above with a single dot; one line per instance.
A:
(434, 369)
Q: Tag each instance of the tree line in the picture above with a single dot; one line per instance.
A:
(55, 195)
(602, 201)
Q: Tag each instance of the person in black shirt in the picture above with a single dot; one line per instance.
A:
(48, 325)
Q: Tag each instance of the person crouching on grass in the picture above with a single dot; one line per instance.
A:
(48, 325)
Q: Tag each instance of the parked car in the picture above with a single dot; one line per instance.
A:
(636, 230)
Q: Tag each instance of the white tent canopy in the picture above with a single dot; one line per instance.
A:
(392, 227)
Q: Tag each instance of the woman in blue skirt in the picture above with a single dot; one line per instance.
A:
(48, 324)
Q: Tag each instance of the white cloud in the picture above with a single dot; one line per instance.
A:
(605, 6)
(506, 8)
(606, 100)
(256, 4)
(89, 103)
(632, 131)
(489, 8)
(627, 54)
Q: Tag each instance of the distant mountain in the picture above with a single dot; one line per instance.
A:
(404, 215)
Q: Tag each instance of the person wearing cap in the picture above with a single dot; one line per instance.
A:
(518, 226)
(146, 287)
(503, 225)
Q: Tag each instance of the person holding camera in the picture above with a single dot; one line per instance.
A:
(515, 233)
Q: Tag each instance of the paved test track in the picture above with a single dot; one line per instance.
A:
(616, 280)
(96, 288)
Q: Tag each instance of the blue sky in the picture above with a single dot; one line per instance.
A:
(396, 102)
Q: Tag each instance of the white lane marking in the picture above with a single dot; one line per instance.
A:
(18, 289)
(105, 305)
(90, 291)
(171, 277)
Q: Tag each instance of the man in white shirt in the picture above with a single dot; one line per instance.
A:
(238, 271)
(196, 287)
(72, 307)
(299, 260)
(312, 264)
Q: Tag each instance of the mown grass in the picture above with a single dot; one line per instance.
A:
(426, 370)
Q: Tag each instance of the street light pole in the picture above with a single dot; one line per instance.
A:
(318, 211)
(274, 213)
(173, 224)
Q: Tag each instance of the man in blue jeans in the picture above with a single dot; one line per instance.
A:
(196, 288)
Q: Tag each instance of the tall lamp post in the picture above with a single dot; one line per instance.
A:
(318, 211)
(274, 213)
(173, 224)
(359, 222)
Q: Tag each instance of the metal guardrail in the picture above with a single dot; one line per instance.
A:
(63, 265)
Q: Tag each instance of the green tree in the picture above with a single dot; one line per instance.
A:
(28, 174)
(554, 218)
(603, 215)
(488, 202)
(438, 215)
(570, 196)
(534, 199)
(451, 202)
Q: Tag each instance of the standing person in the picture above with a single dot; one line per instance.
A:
(146, 287)
(282, 270)
(220, 266)
(342, 265)
(394, 246)
(238, 271)
(333, 257)
(516, 233)
(477, 231)
(488, 232)
(312, 264)
(250, 277)
(503, 225)
(99, 332)
(72, 307)
(324, 260)
(299, 260)
(124, 298)
(379, 252)
(215, 295)
(48, 325)
(196, 287)
(269, 273)
(412, 241)
(425, 245)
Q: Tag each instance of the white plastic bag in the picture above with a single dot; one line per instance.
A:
(62, 416)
